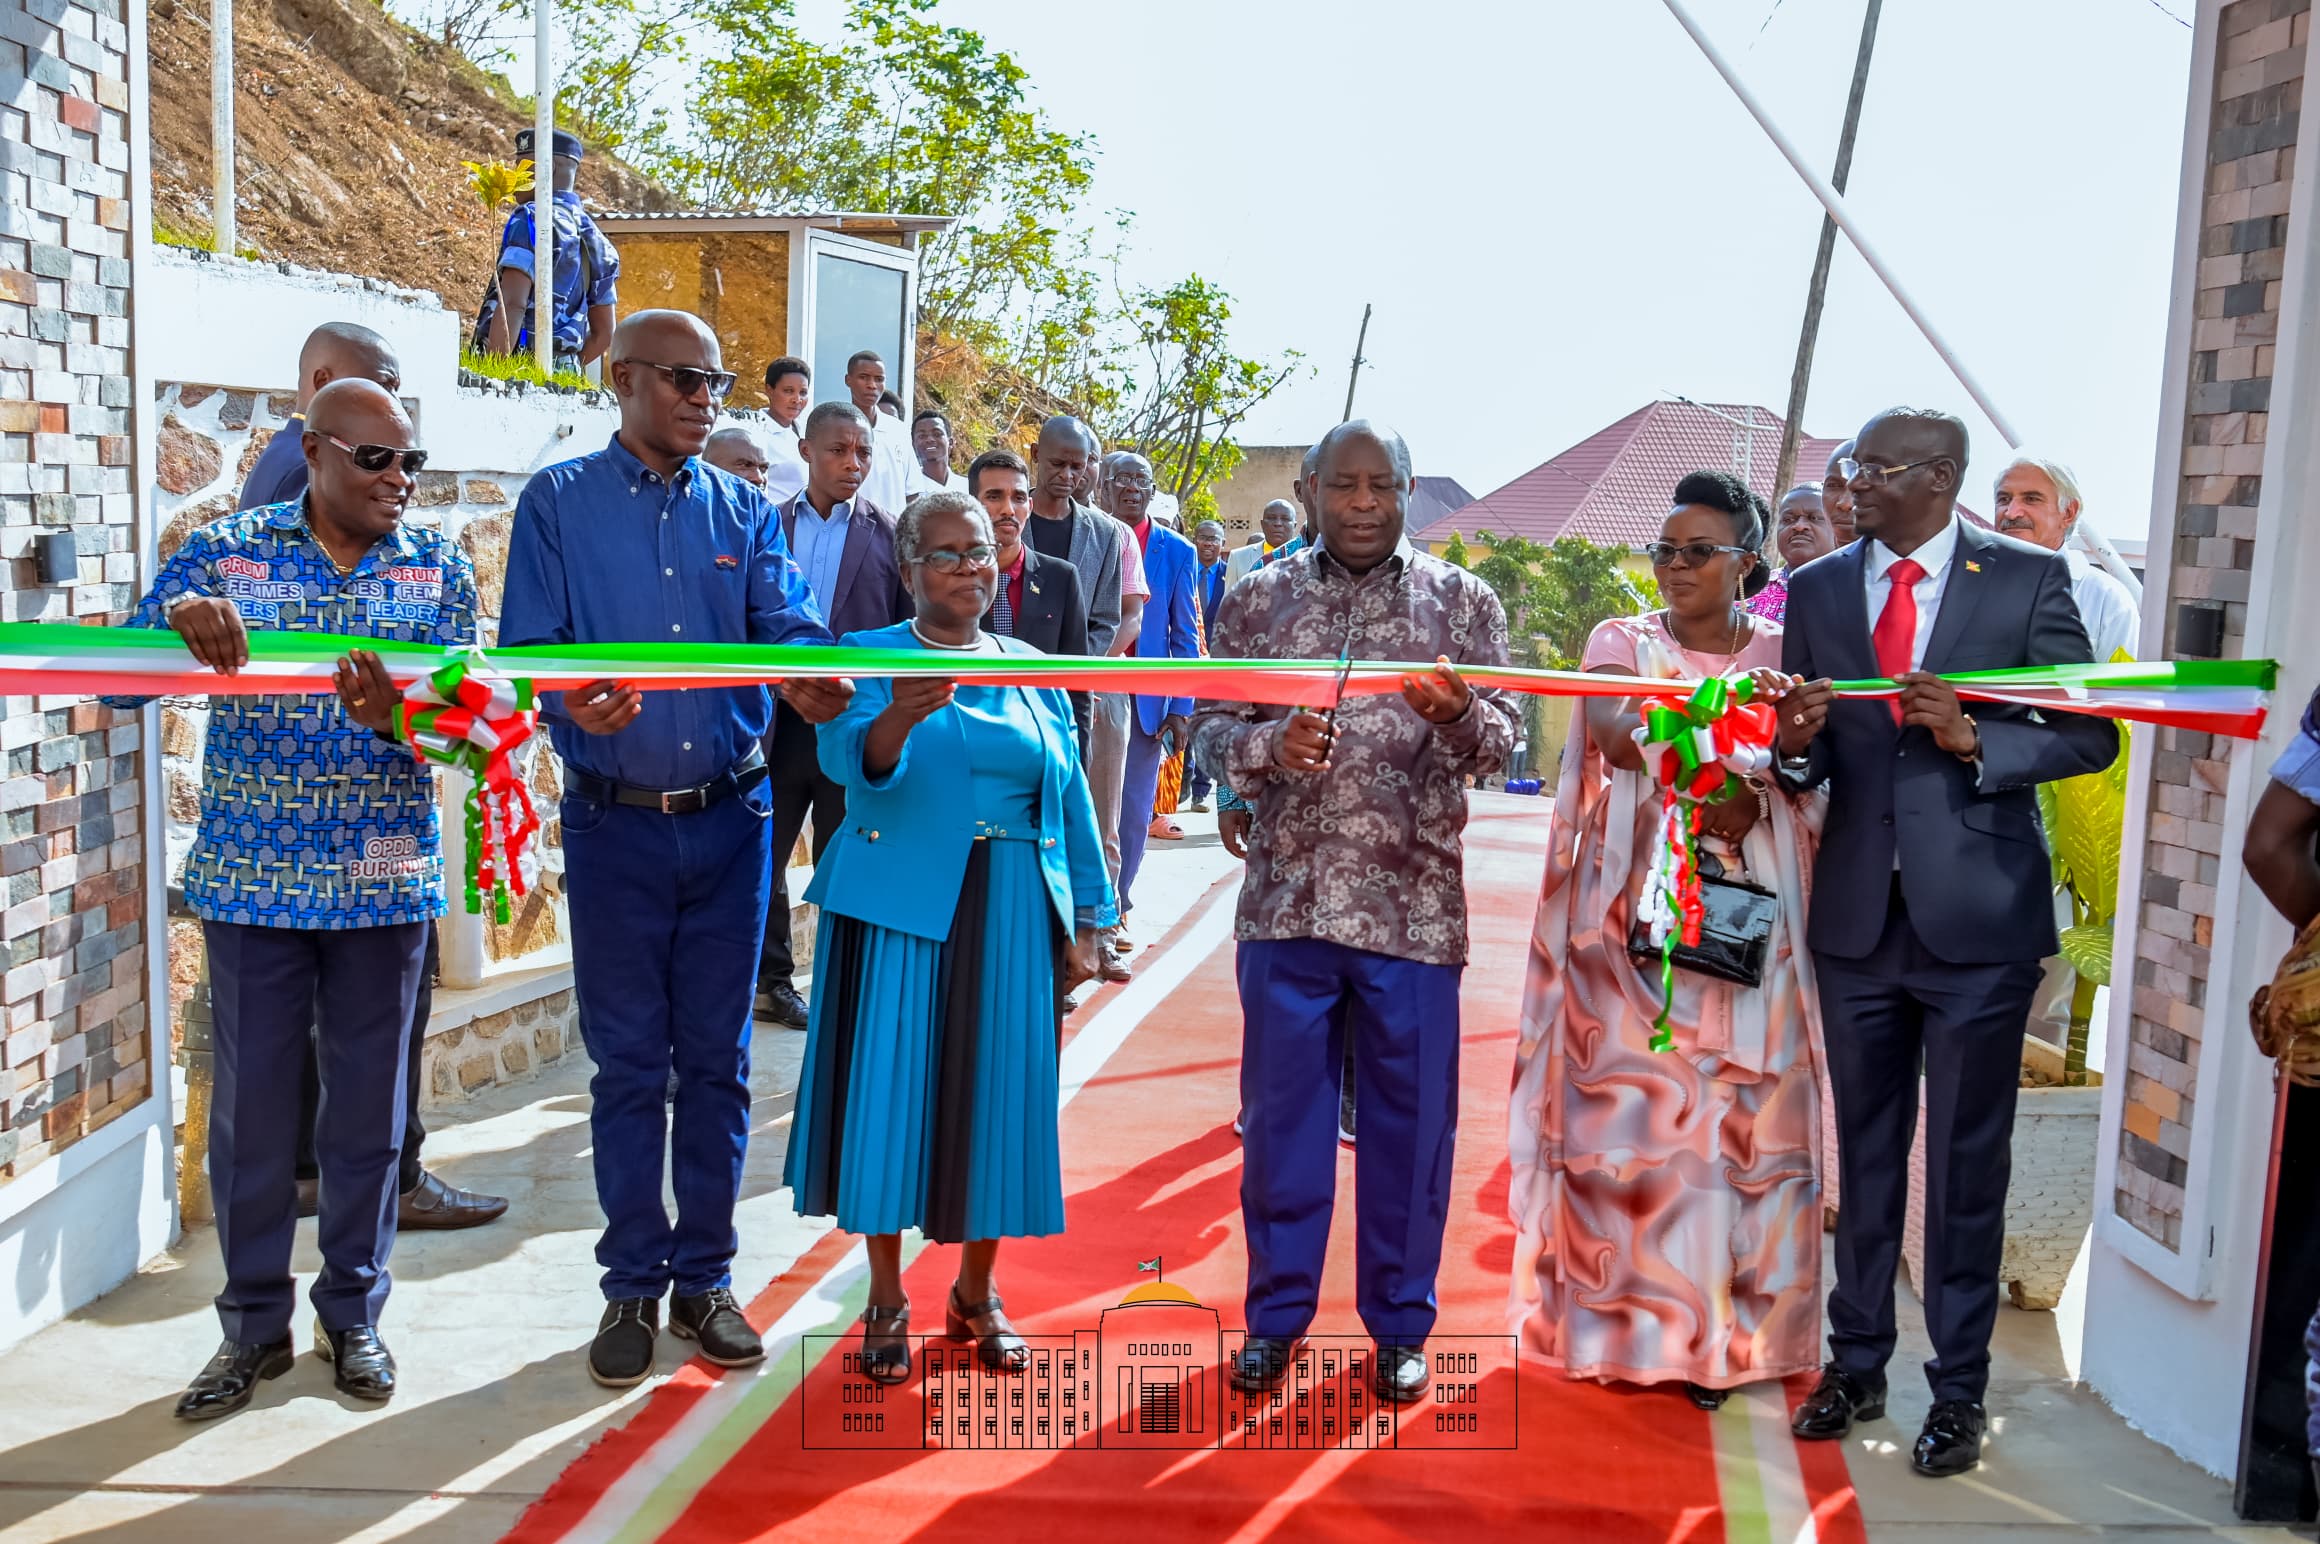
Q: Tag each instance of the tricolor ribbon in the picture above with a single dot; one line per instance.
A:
(1699, 749)
(459, 716)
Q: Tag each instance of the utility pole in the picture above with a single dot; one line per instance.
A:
(1800, 380)
(543, 187)
(1355, 379)
(221, 127)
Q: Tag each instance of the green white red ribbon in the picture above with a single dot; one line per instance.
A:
(1699, 749)
(458, 716)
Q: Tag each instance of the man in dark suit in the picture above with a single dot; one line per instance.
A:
(1159, 725)
(1037, 598)
(1932, 897)
(845, 547)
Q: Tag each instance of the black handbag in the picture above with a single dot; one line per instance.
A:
(1735, 930)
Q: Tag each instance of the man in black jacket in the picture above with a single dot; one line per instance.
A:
(844, 545)
(1932, 897)
(1037, 597)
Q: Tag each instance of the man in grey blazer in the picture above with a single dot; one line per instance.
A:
(1932, 897)
(1062, 526)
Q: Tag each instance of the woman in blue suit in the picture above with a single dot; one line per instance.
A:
(959, 900)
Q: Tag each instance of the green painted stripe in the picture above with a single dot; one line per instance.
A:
(1739, 1481)
(668, 1501)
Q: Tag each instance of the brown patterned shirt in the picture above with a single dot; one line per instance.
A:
(1368, 853)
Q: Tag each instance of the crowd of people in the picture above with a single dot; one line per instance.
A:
(977, 851)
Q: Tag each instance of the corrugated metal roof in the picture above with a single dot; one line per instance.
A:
(769, 219)
(1433, 497)
(1612, 488)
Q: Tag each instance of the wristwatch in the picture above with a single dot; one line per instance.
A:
(1976, 753)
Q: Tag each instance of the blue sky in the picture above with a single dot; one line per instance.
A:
(1560, 211)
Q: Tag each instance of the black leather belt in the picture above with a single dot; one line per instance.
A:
(744, 775)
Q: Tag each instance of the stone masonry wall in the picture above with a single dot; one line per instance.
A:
(73, 1050)
(2251, 159)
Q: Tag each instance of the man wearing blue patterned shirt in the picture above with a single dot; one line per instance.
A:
(315, 871)
(666, 820)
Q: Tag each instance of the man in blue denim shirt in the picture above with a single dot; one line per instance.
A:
(316, 874)
(666, 820)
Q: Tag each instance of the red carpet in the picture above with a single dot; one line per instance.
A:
(1152, 1169)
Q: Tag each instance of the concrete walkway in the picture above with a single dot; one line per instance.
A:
(491, 1328)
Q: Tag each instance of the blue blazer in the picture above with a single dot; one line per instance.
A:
(900, 856)
(1171, 627)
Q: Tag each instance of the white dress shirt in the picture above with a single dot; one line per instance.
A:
(785, 461)
(1934, 557)
(2113, 622)
(891, 463)
(921, 483)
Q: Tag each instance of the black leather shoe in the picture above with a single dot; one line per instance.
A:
(1951, 1441)
(226, 1384)
(783, 1006)
(361, 1365)
(715, 1320)
(1706, 1398)
(433, 1204)
(1835, 1403)
(1402, 1374)
(621, 1356)
(1262, 1361)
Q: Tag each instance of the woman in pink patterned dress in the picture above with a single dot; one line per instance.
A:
(1668, 1203)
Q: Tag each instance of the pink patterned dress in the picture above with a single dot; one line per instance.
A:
(1668, 1204)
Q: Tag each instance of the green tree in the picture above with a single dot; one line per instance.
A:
(1554, 596)
(1454, 551)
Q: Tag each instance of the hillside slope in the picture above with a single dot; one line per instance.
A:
(349, 131)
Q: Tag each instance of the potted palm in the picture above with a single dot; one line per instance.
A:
(2057, 1123)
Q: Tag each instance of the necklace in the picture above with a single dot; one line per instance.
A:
(343, 568)
(936, 643)
(1668, 626)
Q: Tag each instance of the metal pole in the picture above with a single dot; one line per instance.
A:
(1831, 200)
(221, 127)
(1355, 378)
(1800, 379)
(543, 186)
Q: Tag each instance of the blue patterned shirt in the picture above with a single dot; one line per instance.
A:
(605, 550)
(309, 820)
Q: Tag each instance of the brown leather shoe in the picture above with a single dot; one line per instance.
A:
(310, 1198)
(433, 1204)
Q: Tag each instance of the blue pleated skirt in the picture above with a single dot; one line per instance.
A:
(928, 1094)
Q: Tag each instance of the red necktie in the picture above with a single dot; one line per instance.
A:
(1895, 635)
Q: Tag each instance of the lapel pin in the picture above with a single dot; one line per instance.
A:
(1973, 567)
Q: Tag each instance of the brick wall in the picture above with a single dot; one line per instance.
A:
(74, 1054)
(2251, 161)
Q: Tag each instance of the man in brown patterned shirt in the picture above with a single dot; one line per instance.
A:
(1353, 912)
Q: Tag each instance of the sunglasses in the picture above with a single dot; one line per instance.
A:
(943, 561)
(689, 379)
(1879, 476)
(1696, 554)
(377, 458)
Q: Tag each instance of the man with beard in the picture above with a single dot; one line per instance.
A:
(666, 821)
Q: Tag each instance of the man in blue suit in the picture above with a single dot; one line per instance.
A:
(1171, 630)
(1932, 897)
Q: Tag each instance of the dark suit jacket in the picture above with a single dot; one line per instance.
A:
(1052, 617)
(1974, 870)
(869, 593)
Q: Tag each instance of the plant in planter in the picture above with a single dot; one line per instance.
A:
(2057, 1123)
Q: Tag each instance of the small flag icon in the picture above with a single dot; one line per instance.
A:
(1152, 1265)
(1973, 567)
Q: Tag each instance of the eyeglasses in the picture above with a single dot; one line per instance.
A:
(1696, 554)
(944, 561)
(689, 379)
(1879, 476)
(376, 458)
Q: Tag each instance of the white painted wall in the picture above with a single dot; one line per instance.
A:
(2167, 1336)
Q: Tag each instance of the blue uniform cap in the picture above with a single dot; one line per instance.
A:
(566, 143)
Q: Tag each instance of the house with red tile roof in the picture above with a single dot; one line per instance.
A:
(1612, 487)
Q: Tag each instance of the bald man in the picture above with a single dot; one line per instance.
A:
(1352, 920)
(1933, 899)
(334, 351)
(315, 871)
(667, 821)
(734, 449)
(1278, 523)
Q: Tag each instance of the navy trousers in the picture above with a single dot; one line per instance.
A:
(1886, 1016)
(1300, 999)
(668, 914)
(1139, 789)
(797, 785)
(271, 989)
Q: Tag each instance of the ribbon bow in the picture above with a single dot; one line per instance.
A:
(457, 716)
(1698, 751)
